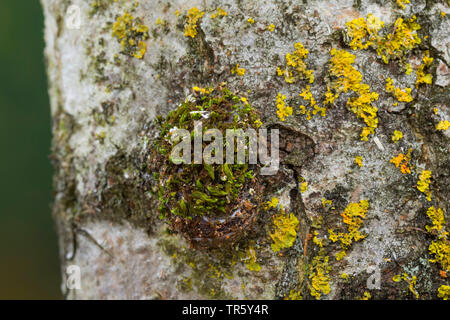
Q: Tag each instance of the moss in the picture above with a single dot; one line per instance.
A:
(211, 204)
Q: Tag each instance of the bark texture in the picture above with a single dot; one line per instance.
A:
(104, 103)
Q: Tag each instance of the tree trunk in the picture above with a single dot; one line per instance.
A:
(105, 96)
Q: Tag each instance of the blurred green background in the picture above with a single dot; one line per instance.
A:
(29, 263)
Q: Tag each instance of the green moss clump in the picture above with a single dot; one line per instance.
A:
(210, 204)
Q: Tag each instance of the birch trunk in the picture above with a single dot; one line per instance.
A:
(104, 102)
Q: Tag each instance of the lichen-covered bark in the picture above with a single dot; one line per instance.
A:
(104, 101)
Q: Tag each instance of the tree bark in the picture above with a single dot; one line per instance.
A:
(104, 102)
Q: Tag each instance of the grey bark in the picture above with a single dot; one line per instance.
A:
(103, 105)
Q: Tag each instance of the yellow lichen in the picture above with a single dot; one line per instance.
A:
(296, 68)
(366, 296)
(353, 217)
(443, 125)
(203, 90)
(272, 203)
(441, 250)
(303, 187)
(341, 255)
(316, 240)
(358, 161)
(424, 183)
(285, 231)
(219, 13)
(421, 75)
(271, 27)
(397, 135)
(345, 276)
(363, 32)
(389, 85)
(283, 111)
(444, 292)
(349, 79)
(131, 33)
(193, 17)
(330, 97)
(250, 260)
(438, 219)
(402, 39)
(440, 247)
(237, 70)
(293, 295)
(307, 96)
(408, 68)
(251, 20)
(319, 270)
(411, 282)
(401, 3)
(402, 95)
(326, 202)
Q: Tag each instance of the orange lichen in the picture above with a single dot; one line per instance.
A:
(402, 161)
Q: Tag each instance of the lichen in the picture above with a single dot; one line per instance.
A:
(412, 281)
(397, 136)
(402, 161)
(443, 125)
(352, 217)
(285, 231)
(250, 259)
(444, 292)
(403, 38)
(238, 70)
(423, 184)
(194, 15)
(219, 13)
(283, 111)
(364, 33)
(421, 75)
(401, 95)
(401, 3)
(296, 68)
(320, 280)
(348, 78)
(131, 34)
